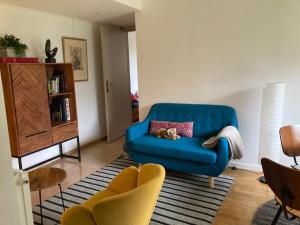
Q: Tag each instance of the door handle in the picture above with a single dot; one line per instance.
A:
(21, 178)
(107, 84)
(107, 89)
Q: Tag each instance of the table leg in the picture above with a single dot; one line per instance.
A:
(62, 198)
(41, 209)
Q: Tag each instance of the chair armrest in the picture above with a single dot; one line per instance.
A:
(78, 215)
(137, 130)
(124, 181)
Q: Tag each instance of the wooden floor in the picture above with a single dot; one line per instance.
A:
(245, 196)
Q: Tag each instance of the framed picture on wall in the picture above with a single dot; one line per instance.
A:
(75, 52)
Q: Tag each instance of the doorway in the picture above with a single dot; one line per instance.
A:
(119, 60)
(133, 76)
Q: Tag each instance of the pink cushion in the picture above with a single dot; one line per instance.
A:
(183, 128)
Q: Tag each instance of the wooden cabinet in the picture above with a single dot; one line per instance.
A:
(29, 106)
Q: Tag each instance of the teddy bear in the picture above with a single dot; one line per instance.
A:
(170, 133)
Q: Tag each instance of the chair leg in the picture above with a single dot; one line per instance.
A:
(277, 216)
(211, 182)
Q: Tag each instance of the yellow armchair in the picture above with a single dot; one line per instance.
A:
(129, 199)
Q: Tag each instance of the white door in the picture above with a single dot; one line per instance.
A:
(114, 44)
(15, 202)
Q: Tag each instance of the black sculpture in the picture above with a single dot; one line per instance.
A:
(50, 53)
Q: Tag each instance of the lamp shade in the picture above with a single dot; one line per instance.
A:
(271, 120)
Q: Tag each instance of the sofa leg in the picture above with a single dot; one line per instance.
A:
(211, 182)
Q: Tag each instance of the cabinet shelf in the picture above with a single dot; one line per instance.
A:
(60, 94)
(60, 123)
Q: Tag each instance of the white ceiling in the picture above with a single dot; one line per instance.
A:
(103, 11)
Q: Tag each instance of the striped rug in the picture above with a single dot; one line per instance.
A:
(184, 198)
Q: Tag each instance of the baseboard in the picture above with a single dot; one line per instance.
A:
(245, 166)
(97, 141)
(82, 147)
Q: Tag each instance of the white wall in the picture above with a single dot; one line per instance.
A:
(33, 28)
(220, 52)
(133, 62)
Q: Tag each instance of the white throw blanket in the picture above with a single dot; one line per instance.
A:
(234, 138)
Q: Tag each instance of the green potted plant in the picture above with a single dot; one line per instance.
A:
(11, 46)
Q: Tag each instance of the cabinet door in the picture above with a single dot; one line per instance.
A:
(29, 84)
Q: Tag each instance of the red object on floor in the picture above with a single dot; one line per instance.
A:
(18, 60)
(134, 97)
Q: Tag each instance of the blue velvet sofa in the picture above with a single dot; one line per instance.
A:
(185, 154)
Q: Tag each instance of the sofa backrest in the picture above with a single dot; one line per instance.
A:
(208, 119)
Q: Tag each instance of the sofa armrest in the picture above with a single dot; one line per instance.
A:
(222, 154)
(78, 215)
(137, 130)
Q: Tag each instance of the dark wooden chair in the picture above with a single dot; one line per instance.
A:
(290, 141)
(285, 183)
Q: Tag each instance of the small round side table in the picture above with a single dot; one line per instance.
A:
(44, 178)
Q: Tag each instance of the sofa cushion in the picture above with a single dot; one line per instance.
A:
(183, 128)
(184, 148)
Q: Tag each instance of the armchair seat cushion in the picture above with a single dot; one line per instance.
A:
(185, 148)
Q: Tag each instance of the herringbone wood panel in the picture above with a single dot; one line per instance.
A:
(31, 98)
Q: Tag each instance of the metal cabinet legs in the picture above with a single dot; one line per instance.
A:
(60, 155)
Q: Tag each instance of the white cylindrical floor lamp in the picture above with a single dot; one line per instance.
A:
(271, 121)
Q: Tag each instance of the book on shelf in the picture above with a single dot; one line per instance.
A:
(57, 83)
(66, 106)
(60, 110)
(56, 110)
